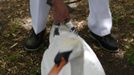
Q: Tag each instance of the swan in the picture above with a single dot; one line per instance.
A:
(68, 47)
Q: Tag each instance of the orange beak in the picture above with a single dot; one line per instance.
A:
(57, 68)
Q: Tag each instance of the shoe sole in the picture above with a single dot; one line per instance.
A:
(102, 46)
(32, 50)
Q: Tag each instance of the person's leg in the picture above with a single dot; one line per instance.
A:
(100, 23)
(39, 11)
(100, 20)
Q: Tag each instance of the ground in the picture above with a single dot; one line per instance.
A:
(15, 22)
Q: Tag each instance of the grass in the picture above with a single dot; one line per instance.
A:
(13, 57)
(16, 24)
(130, 54)
(131, 22)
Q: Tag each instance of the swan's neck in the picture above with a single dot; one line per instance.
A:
(77, 66)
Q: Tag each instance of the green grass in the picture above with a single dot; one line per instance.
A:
(130, 57)
(130, 54)
(16, 24)
(12, 57)
(131, 22)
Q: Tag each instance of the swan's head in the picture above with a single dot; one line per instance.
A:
(68, 44)
(66, 55)
(70, 49)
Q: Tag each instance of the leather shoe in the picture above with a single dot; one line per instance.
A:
(107, 42)
(34, 42)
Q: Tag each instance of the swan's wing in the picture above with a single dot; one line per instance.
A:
(47, 62)
(92, 65)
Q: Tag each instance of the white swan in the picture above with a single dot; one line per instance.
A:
(81, 59)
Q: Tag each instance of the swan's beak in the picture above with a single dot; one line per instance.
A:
(61, 59)
(57, 67)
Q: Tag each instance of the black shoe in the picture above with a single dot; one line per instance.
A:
(107, 42)
(34, 42)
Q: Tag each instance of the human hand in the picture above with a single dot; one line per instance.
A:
(60, 11)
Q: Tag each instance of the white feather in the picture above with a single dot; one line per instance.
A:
(82, 60)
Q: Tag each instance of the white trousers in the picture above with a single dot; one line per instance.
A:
(99, 20)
